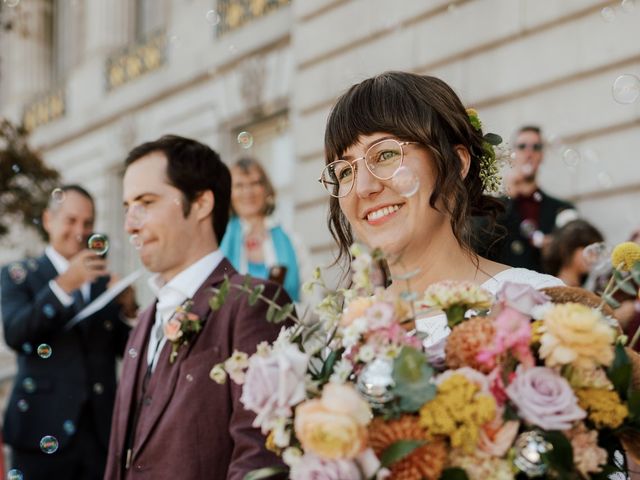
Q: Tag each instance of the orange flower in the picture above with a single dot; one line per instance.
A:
(467, 340)
(424, 462)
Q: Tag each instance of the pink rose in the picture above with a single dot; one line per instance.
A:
(274, 383)
(544, 398)
(313, 467)
(513, 333)
(521, 297)
(172, 329)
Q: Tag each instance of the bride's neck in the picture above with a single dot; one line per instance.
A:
(437, 261)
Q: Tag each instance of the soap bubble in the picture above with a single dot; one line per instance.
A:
(245, 140)
(49, 444)
(405, 182)
(98, 243)
(44, 350)
(626, 89)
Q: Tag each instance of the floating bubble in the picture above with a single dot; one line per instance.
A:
(49, 444)
(376, 380)
(15, 168)
(527, 169)
(98, 243)
(537, 196)
(23, 405)
(626, 89)
(517, 247)
(27, 348)
(98, 388)
(44, 350)
(11, 3)
(245, 140)
(596, 254)
(133, 353)
(608, 14)
(15, 474)
(527, 228)
(58, 195)
(48, 310)
(69, 427)
(212, 17)
(32, 264)
(136, 241)
(36, 221)
(605, 180)
(571, 157)
(405, 182)
(628, 5)
(189, 377)
(29, 385)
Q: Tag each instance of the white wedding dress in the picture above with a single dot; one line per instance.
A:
(435, 326)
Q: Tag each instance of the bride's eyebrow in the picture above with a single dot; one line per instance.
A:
(368, 146)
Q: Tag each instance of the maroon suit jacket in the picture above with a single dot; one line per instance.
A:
(190, 427)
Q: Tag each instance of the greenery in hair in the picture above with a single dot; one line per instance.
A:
(489, 165)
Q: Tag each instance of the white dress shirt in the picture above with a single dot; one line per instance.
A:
(61, 265)
(173, 294)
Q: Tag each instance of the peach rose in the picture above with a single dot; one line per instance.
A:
(172, 330)
(356, 309)
(334, 426)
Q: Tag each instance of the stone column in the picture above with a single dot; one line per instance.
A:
(110, 24)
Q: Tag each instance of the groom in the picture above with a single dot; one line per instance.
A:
(170, 419)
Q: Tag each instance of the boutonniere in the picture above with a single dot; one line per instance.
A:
(181, 328)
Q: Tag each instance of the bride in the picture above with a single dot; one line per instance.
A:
(405, 169)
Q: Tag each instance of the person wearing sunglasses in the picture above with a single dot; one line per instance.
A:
(531, 214)
(404, 174)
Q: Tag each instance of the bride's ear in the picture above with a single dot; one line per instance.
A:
(465, 159)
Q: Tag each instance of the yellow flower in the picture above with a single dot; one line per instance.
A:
(604, 406)
(334, 426)
(576, 334)
(270, 443)
(448, 293)
(458, 411)
(536, 331)
(627, 254)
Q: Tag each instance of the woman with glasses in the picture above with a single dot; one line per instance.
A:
(403, 168)
(254, 242)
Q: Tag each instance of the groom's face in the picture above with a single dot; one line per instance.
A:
(154, 213)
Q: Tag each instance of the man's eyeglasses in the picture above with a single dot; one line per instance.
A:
(536, 147)
(383, 159)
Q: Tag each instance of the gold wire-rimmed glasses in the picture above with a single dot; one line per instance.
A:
(383, 159)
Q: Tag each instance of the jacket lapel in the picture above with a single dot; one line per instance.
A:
(132, 357)
(168, 372)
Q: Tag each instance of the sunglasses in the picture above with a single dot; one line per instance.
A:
(536, 147)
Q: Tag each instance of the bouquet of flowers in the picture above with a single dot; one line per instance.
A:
(516, 386)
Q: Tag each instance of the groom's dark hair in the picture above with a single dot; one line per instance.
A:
(193, 168)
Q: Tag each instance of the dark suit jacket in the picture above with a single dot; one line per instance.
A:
(49, 393)
(189, 427)
(514, 248)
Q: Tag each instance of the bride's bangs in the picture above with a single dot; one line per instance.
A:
(378, 104)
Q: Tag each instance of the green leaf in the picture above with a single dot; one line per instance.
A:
(635, 273)
(220, 296)
(455, 314)
(271, 312)
(493, 139)
(327, 366)
(246, 283)
(612, 302)
(264, 473)
(255, 294)
(633, 402)
(412, 380)
(284, 312)
(453, 473)
(620, 371)
(624, 284)
(560, 458)
(398, 450)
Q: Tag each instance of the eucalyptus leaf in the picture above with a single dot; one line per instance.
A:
(255, 294)
(633, 402)
(399, 450)
(635, 273)
(454, 473)
(620, 371)
(493, 138)
(623, 284)
(271, 312)
(560, 457)
(283, 313)
(266, 472)
(412, 380)
(612, 302)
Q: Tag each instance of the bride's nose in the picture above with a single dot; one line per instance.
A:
(366, 184)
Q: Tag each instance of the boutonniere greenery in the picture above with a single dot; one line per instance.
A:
(181, 328)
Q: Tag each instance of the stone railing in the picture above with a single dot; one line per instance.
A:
(136, 60)
(234, 14)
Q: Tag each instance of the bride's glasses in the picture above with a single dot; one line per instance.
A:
(383, 159)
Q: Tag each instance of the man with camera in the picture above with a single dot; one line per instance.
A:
(59, 414)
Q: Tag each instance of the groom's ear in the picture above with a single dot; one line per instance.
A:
(203, 204)
(465, 159)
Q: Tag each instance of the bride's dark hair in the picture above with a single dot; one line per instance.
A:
(415, 108)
